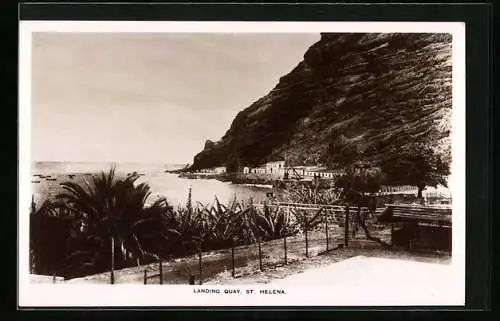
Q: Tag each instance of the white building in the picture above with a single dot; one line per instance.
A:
(220, 170)
(246, 170)
(213, 170)
(321, 172)
(258, 170)
(292, 171)
(275, 168)
(311, 171)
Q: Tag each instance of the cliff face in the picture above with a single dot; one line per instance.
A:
(362, 92)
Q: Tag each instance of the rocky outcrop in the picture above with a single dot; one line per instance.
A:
(366, 93)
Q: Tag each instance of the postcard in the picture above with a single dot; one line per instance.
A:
(177, 164)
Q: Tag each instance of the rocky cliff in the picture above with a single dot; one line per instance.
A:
(353, 95)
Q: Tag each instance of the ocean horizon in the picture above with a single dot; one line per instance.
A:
(60, 167)
(47, 176)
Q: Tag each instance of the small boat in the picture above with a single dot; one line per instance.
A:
(52, 179)
(36, 182)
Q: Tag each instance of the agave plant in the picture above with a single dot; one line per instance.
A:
(248, 225)
(274, 223)
(189, 223)
(224, 225)
(314, 195)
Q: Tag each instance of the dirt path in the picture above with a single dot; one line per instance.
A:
(280, 271)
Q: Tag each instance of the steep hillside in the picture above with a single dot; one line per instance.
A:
(362, 92)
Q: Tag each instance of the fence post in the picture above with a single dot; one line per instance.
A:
(392, 235)
(306, 225)
(233, 273)
(112, 260)
(358, 222)
(286, 232)
(145, 276)
(200, 263)
(346, 227)
(161, 270)
(260, 256)
(284, 244)
(326, 229)
(54, 277)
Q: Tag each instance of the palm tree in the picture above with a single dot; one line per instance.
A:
(109, 210)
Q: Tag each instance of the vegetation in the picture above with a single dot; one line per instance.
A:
(273, 223)
(418, 165)
(49, 230)
(107, 216)
(314, 194)
(358, 186)
(360, 179)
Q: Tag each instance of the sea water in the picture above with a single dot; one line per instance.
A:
(47, 177)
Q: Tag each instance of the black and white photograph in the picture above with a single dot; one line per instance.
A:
(226, 163)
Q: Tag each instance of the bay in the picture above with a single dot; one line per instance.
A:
(47, 176)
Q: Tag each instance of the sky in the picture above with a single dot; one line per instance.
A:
(151, 97)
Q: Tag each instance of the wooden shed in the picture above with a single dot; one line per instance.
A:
(419, 227)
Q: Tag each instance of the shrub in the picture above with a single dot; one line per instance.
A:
(274, 223)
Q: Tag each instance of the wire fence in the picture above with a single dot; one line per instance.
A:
(326, 228)
(312, 230)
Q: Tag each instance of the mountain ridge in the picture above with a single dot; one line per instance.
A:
(368, 92)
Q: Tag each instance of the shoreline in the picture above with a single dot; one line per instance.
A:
(258, 185)
(253, 180)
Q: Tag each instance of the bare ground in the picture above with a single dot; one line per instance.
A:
(280, 271)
